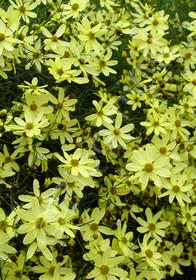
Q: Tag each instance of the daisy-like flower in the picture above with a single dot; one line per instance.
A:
(74, 8)
(31, 126)
(115, 134)
(156, 124)
(106, 267)
(151, 227)
(172, 258)
(157, 23)
(176, 188)
(24, 9)
(149, 251)
(102, 63)
(134, 100)
(32, 88)
(101, 113)
(90, 34)
(6, 38)
(90, 228)
(54, 269)
(188, 217)
(8, 160)
(124, 239)
(7, 223)
(148, 165)
(190, 77)
(37, 224)
(79, 163)
(53, 42)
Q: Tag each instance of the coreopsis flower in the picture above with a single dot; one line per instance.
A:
(4, 247)
(190, 87)
(177, 188)
(24, 9)
(106, 267)
(79, 163)
(101, 113)
(134, 100)
(90, 228)
(31, 126)
(7, 223)
(151, 227)
(90, 34)
(157, 22)
(115, 134)
(148, 165)
(124, 239)
(102, 62)
(54, 269)
(32, 88)
(174, 260)
(73, 8)
(178, 124)
(188, 217)
(149, 251)
(156, 123)
(8, 160)
(6, 38)
(53, 42)
(37, 225)
(167, 54)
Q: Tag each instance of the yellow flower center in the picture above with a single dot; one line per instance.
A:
(116, 131)
(166, 55)
(104, 269)
(75, 6)
(74, 162)
(156, 124)
(51, 270)
(155, 22)
(66, 54)
(33, 107)
(151, 227)
(148, 167)
(186, 105)
(149, 253)
(163, 150)
(91, 35)
(22, 9)
(3, 224)
(54, 38)
(194, 82)
(102, 63)
(124, 240)
(174, 258)
(94, 226)
(188, 55)
(188, 216)
(113, 190)
(176, 188)
(60, 71)
(29, 125)
(61, 221)
(82, 61)
(2, 37)
(177, 123)
(8, 159)
(40, 223)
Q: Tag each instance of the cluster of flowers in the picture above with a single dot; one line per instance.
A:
(109, 194)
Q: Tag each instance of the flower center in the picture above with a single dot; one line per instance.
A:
(155, 22)
(176, 188)
(22, 9)
(40, 223)
(94, 226)
(102, 63)
(33, 107)
(113, 190)
(74, 162)
(194, 82)
(51, 270)
(91, 35)
(66, 54)
(82, 61)
(104, 269)
(177, 123)
(148, 167)
(163, 150)
(188, 216)
(151, 227)
(188, 55)
(29, 125)
(2, 37)
(8, 159)
(124, 240)
(174, 258)
(116, 131)
(156, 123)
(75, 6)
(54, 38)
(149, 253)
(3, 224)
(60, 71)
